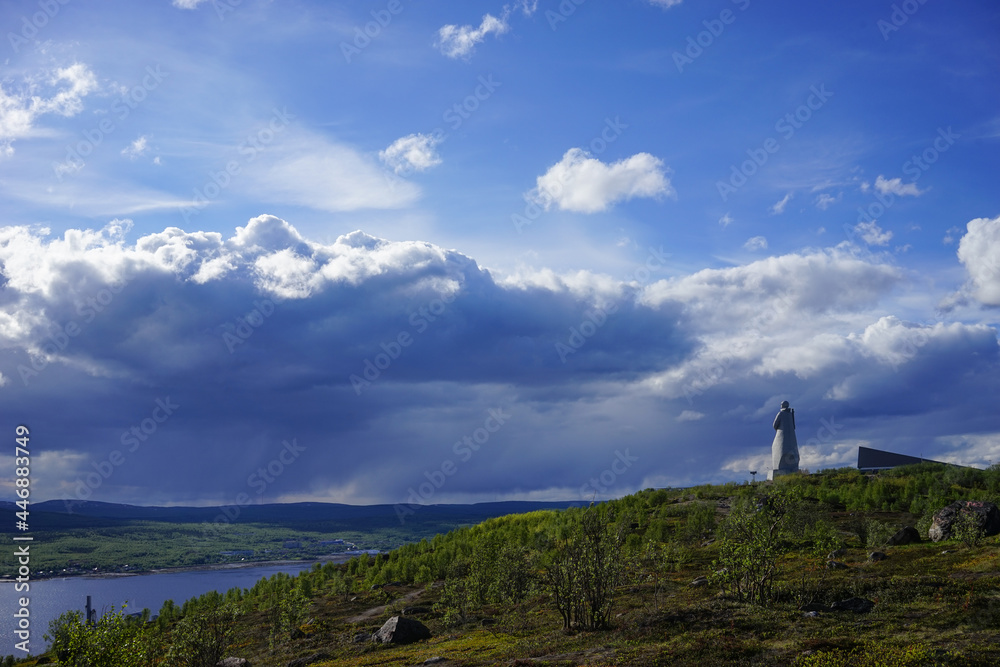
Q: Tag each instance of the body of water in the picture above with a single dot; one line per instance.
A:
(51, 597)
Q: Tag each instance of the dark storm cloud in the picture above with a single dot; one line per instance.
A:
(178, 368)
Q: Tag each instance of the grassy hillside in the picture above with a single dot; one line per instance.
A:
(715, 575)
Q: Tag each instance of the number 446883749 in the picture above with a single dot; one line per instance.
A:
(22, 463)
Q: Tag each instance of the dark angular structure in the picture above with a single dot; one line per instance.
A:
(871, 460)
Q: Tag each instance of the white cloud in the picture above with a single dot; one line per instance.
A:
(187, 4)
(527, 7)
(790, 314)
(824, 201)
(726, 220)
(974, 449)
(872, 234)
(414, 152)
(666, 4)
(979, 251)
(779, 207)
(756, 243)
(584, 184)
(690, 416)
(136, 148)
(460, 41)
(20, 110)
(786, 285)
(896, 187)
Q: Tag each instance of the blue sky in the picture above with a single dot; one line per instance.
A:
(628, 229)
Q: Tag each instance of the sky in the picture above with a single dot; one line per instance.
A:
(426, 252)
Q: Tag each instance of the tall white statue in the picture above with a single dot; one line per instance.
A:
(785, 448)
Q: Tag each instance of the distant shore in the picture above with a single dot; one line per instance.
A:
(332, 558)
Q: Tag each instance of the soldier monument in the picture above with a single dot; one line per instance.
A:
(785, 448)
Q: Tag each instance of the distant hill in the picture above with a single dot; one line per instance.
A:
(67, 515)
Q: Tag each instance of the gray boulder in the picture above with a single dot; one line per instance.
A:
(309, 660)
(876, 556)
(857, 605)
(986, 515)
(401, 630)
(907, 535)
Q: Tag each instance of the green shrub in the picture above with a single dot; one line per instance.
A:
(201, 638)
(878, 534)
(113, 641)
(967, 529)
(751, 542)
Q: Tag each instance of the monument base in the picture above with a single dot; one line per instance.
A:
(781, 473)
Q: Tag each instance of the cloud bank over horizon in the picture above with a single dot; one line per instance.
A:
(385, 359)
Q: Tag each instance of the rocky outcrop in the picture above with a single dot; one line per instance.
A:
(401, 630)
(986, 515)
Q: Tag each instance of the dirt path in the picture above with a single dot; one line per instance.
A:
(375, 612)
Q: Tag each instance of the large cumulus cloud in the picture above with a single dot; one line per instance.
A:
(979, 251)
(386, 359)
